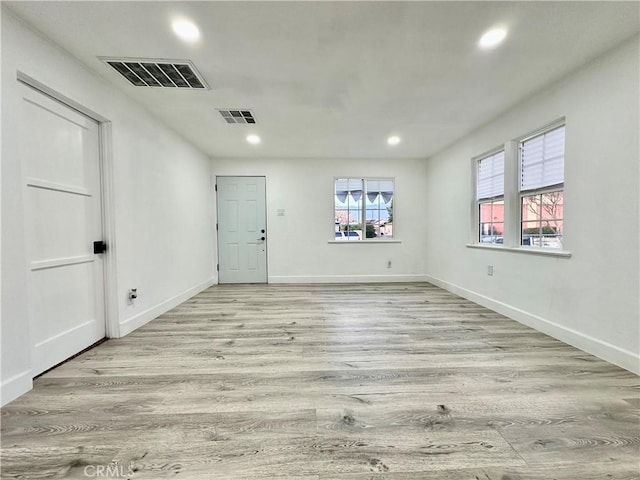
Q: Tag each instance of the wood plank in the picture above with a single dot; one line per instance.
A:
(586, 471)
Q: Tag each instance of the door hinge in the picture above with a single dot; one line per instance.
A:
(216, 187)
(217, 267)
(216, 227)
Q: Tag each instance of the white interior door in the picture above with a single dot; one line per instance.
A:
(242, 230)
(63, 218)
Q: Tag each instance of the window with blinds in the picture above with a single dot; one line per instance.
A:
(490, 197)
(363, 209)
(542, 189)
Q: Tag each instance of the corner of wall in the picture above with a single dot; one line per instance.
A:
(130, 324)
(13, 387)
(610, 353)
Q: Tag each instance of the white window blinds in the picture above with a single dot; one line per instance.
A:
(542, 160)
(491, 176)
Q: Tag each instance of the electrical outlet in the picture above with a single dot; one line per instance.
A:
(490, 270)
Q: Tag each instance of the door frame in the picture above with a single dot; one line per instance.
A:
(266, 222)
(105, 154)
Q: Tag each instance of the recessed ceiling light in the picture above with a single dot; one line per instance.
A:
(253, 139)
(492, 38)
(186, 30)
(393, 140)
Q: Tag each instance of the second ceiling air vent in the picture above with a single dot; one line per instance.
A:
(240, 115)
(158, 73)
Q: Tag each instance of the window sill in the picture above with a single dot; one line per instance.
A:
(531, 251)
(356, 242)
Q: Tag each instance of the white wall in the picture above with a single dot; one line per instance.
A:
(298, 245)
(162, 200)
(590, 300)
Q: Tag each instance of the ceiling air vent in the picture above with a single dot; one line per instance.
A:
(158, 73)
(241, 116)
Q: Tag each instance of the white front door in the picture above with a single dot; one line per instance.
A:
(63, 218)
(242, 230)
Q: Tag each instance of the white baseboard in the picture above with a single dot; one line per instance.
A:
(130, 324)
(13, 387)
(606, 351)
(347, 278)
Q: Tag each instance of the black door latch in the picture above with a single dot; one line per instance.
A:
(99, 247)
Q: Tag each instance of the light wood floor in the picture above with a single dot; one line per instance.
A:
(330, 382)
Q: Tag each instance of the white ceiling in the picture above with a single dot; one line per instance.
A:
(335, 79)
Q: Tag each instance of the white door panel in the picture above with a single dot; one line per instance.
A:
(63, 217)
(59, 289)
(56, 231)
(242, 252)
(58, 155)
